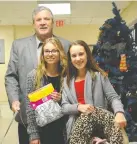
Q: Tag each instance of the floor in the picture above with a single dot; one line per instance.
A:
(12, 136)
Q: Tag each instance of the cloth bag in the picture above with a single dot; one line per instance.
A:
(48, 112)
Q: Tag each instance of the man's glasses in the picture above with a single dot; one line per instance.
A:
(54, 51)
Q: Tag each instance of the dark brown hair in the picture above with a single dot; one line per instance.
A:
(92, 66)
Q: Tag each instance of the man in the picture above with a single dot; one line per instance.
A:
(23, 58)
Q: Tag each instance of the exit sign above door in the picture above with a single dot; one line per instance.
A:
(59, 23)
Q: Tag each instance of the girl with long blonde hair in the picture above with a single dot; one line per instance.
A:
(51, 69)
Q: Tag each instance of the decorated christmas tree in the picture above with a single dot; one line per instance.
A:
(116, 53)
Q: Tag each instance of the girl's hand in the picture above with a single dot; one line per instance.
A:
(56, 96)
(120, 119)
(85, 108)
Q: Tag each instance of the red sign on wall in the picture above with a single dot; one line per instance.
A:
(59, 23)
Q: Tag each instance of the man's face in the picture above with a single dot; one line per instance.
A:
(43, 23)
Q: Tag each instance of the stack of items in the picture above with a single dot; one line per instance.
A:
(40, 96)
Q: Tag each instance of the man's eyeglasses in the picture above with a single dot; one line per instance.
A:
(54, 51)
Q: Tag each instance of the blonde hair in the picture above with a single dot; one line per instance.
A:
(42, 69)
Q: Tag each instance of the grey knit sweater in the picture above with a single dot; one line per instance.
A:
(32, 128)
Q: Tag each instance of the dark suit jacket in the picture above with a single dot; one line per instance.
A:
(23, 59)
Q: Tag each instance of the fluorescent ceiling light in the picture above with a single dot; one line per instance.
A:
(58, 8)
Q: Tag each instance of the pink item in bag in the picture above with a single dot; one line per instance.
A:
(39, 102)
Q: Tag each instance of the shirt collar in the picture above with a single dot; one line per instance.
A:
(38, 41)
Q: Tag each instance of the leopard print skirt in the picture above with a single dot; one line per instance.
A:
(86, 125)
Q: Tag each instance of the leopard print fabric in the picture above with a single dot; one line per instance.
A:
(86, 125)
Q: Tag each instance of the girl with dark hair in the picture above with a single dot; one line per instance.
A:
(86, 88)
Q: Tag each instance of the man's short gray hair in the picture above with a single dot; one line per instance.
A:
(39, 9)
